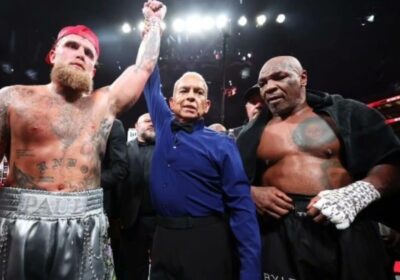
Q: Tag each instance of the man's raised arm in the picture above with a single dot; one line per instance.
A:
(126, 90)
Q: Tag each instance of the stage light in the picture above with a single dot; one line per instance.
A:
(249, 55)
(208, 23)
(7, 68)
(194, 24)
(242, 21)
(261, 19)
(126, 28)
(178, 25)
(371, 18)
(245, 73)
(31, 74)
(280, 18)
(222, 21)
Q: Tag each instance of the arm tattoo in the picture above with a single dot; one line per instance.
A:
(312, 134)
(150, 47)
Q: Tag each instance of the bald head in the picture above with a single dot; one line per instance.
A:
(286, 63)
(282, 81)
(144, 128)
(143, 117)
(217, 127)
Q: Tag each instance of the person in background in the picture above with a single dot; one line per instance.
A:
(254, 104)
(137, 212)
(218, 127)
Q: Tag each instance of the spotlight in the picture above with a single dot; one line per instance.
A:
(371, 18)
(7, 68)
(178, 25)
(242, 21)
(221, 21)
(208, 23)
(194, 24)
(280, 18)
(31, 74)
(261, 19)
(245, 73)
(249, 55)
(126, 28)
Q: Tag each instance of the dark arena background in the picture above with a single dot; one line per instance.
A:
(348, 47)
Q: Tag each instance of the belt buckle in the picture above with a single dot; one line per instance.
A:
(300, 214)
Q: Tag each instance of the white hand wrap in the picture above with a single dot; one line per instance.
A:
(341, 206)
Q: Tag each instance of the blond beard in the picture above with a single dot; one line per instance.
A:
(71, 78)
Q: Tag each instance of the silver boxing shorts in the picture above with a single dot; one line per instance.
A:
(53, 235)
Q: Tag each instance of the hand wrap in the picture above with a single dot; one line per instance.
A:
(341, 206)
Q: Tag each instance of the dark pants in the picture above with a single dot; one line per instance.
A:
(194, 252)
(136, 243)
(295, 247)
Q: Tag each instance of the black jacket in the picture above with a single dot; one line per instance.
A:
(135, 184)
(114, 167)
(365, 138)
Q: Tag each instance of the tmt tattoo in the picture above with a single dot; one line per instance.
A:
(57, 162)
(312, 134)
(42, 167)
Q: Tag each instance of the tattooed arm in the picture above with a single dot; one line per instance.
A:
(126, 90)
(4, 125)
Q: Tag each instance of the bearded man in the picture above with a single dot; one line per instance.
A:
(52, 224)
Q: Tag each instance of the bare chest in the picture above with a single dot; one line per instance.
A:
(309, 134)
(45, 119)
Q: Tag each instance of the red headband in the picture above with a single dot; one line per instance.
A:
(80, 30)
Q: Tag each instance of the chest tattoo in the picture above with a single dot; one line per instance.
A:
(312, 134)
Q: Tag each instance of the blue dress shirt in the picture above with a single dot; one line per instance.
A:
(201, 174)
